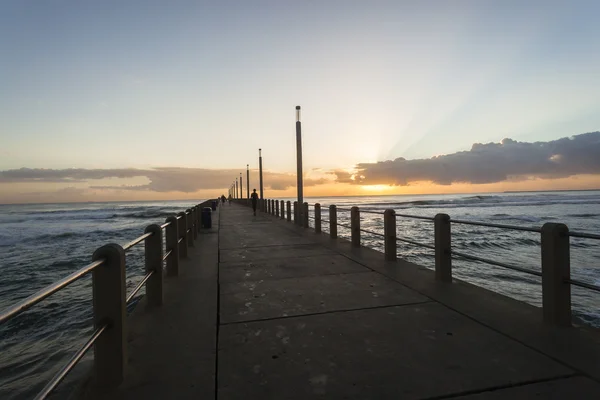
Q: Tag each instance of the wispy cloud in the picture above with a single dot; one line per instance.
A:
(487, 163)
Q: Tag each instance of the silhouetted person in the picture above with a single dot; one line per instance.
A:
(230, 199)
(254, 197)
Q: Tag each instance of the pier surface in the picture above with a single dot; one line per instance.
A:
(264, 309)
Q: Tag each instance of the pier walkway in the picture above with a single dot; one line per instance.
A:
(265, 309)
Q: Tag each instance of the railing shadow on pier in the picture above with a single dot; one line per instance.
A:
(555, 271)
(164, 246)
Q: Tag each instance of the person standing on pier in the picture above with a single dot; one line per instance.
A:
(254, 197)
(230, 199)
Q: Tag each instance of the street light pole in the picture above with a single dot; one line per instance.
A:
(241, 187)
(260, 173)
(299, 164)
(248, 180)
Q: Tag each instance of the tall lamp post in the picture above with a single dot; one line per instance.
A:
(241, 187)
(299, 164)
(260, 174)
(248, 180)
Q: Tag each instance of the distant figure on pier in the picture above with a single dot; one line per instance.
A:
(223, 199)
(230, 198)
(254, 197)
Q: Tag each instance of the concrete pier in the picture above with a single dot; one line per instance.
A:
(265, 309)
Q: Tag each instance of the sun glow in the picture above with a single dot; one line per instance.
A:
(376, 188)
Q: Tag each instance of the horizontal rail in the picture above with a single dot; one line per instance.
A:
(309, 217)
(179, 217)
(326, 221)
(189, 230)
(180, 240)
(371, 232)
(584, 235)
(167, 254)
(416, 243)
(586, 285)
(501, 226)
(343, 209)
(371, 212)
(47, 291)
(58, 378)
(414, 216)
(344, 225)
(129, 245)
(139, 286)
(497, 263)
(163, 226)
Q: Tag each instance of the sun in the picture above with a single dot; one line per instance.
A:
(376, 188)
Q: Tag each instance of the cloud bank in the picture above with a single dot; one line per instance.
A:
(187, 180)
(487, 163)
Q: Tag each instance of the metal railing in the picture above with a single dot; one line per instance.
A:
(555, 271)
(108, 268)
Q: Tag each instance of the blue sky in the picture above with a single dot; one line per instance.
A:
(118, 84)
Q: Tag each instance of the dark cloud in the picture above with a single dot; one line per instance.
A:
(187, 180)
(487, 163)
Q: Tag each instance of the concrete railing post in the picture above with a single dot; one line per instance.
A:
(195, 222)
(318, 218)
(171, 242)
(333, 221)
(296, 213)
(190, 225)
(442, 240)
(182, 235)
(556, 269)
(389, 232)
(305, 215)
(277, 208)
(268, 206)
(153, 252)
(289, 210)
(108, 287)
(282, 209)
(355, 226)
(272, 207)
(199, 217)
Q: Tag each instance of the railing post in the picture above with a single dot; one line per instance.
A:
(195, 222)
(318, 218)
(268, 206)
(443, 256)
(199, 217)
(355, 226)
(305, 214)
(182, 234)
(333, 221)
(277, 208)
(153, 251)
(296, 213)
(282, 209)
(272, 207)
(190, 225)
(289, 210)
(171, 239)
(556, 268)
(389, 231)
(108, 287)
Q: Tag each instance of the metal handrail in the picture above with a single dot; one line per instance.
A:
(129, 245)
(502, 226)
(180, 240)
(583, 235)
(582, 284)
(167, 254)
(139, 286)
(326, 220)
(64, 371)
(343, 209)
(497, 263)
(344, 225)
(47, 291)
(416, 243)
(371, 212)
(371, 232)
(414, 216)
(163, 226)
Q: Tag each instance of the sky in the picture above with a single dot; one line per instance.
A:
(135, 100)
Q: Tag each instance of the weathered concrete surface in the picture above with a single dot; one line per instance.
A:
(295, 326)
(172, 349)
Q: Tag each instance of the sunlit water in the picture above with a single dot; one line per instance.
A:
(42, 243)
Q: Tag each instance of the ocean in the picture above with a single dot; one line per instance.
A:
(42, 243)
